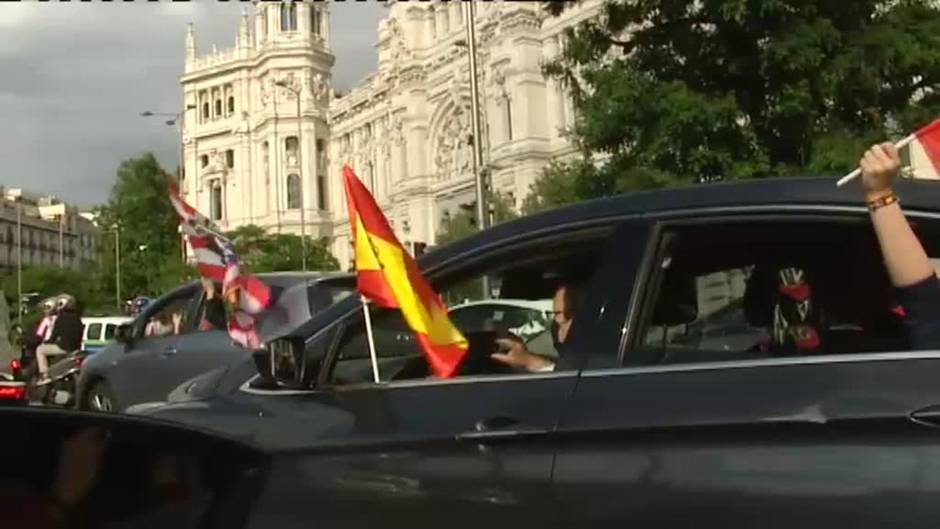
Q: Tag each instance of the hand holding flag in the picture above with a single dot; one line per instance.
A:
(927, 139)
(217, 260)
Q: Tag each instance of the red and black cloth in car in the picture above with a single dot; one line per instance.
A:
(798, 322)
(921, 306)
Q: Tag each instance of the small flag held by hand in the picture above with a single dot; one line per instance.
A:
(925, 143)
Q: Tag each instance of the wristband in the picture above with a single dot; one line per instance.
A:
(887, 200)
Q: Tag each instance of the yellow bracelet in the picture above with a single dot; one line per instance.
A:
(881, 202)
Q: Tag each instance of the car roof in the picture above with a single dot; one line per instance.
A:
(922, 195)
(287, 279)
(106, 319)
(541, 304)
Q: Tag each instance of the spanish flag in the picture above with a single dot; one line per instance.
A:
(390, 278)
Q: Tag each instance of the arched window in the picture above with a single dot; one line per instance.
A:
(230, 159)
(293, 191)
(288, 17)
(507, 103)
(316, 19)
(218, 108)
(231, 104)
(205, 110)
(290, 147)
(215, 199)
(204, 160)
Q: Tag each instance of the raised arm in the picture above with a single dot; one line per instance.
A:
(904, 257)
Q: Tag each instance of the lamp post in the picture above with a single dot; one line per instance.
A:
(19, 262)
(469, 13)
(117, 264)
(300, 175)
(177, 120)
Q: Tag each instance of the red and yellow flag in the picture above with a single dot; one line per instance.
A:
(389, 277)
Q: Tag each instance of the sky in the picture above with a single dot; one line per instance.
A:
(74, 78)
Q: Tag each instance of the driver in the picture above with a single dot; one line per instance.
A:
(514, 351)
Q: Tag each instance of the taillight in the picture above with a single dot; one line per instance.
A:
(15, 365)
(17, 392)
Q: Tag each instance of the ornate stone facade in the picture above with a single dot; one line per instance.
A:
(405, 129)
(243, 159)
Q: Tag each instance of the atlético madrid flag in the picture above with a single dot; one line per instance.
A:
(389, 277)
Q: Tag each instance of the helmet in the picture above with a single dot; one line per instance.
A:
(49, 305)
(65, 301)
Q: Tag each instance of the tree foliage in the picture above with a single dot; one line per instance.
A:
(464, 222)
(151, 257)
(680, 91)
(263, 252)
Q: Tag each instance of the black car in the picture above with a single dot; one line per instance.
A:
(653, 413)
(142, 367)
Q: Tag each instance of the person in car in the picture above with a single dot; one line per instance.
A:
(214, 315)
(905, 258)
(66, 334)
(515, 353)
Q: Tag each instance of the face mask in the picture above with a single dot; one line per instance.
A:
(555, 328)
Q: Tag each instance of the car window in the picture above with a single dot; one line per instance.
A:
(760, 290)
(172, 316)
(93, 331)
(510, 295)
(109, 331)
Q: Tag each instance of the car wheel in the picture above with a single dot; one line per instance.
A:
(100, 398)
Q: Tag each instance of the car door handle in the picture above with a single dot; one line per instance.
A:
(169, 351)
(929, 416)
(495, 428)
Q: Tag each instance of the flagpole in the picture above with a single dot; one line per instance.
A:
(375, 360)
(858, 171)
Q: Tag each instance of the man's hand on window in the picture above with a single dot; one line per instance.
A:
(514, 354)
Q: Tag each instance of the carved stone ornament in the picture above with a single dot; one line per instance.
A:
(321, 87)
(453, 156)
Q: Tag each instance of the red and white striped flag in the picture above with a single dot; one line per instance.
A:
(216, 260)
(923, 152)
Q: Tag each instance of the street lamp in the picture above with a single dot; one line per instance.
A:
(469, 14)
(300, 175)
(177, 119)
(117, 264)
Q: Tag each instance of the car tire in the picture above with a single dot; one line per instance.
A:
(100, 398)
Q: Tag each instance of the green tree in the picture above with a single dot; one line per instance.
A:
(263, 252)
(464, 222)
(151, 251)
(724, 89)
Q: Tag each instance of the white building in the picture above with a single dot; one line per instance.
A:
(405, 129)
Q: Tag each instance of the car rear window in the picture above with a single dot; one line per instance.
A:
(93, 331)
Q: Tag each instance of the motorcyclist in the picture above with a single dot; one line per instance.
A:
(66, 334)
(46, 324)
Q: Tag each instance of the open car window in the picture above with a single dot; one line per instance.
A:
(509, 293)
(771, 289)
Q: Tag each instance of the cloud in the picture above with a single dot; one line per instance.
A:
(77, 75)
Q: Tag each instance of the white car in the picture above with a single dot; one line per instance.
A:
(99, 331)
(522, 317)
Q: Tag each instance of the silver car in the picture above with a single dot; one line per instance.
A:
(143, 366)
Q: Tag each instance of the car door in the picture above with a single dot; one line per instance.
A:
(680, 435)
(472, 450)
(148, 369)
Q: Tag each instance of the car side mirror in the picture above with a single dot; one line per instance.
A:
(123, 334)
(283, 362)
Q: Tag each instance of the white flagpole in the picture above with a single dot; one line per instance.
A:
(375, 360)
(854, 174)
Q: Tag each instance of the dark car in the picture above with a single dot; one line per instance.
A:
(653, 414)
(139, 368)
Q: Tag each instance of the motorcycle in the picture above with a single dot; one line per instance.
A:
(59, 387)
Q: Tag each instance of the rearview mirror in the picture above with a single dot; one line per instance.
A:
(283, 362)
